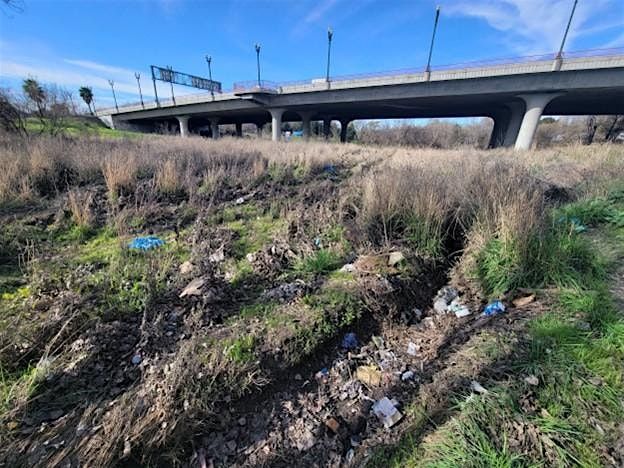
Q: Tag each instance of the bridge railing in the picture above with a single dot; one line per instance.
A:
(490, 67)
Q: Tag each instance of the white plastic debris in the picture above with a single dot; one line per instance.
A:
(395, 258)
(459, 309)
(532, 380)
(477, 387)
(440, 306)
(348, 268)
(412, 349)
(386, 411)
(407, 375)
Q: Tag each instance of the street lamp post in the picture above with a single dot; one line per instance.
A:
(112, 85)
(209, 62)
(559, 57)
(330, 35)
(171, 83)
(435, 27)
(138, 78)
(258, 62)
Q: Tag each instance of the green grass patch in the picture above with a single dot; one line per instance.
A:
(321, 262)
(240, 350)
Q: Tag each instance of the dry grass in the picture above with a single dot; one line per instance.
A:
(80, 207)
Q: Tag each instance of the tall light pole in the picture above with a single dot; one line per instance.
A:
(112, 85)
(209, 62)
(258, 62)
(137, 75)
(559, 56)
(330, 35)
(171, 83)
(435, 27)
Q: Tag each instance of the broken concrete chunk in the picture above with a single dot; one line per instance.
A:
(395, 258)
(193, 288)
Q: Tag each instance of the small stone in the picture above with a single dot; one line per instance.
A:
(298, 377)
(395, 258)
(523, 301)
(348, 268)
(240, 200)
(251, 257)
(193, 288)
(186, 268)
(532, 380)
(333, 425)
(217, 256)
(242, 421)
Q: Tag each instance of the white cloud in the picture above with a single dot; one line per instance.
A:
(533, 26)
(319, 11)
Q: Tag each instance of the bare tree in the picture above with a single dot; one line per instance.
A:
(11, 116)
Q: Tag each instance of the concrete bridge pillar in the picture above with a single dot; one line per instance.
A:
(239, 129)
(306, 124)
(326, 128)
(501, 123)
(515, 120)
(344, 125)
(214, 128)
(276, 124)
(535, 104)
(184, 128)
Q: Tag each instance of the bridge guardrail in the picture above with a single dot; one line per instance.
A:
(472, 69)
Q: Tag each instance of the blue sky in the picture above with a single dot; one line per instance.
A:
(74, 43)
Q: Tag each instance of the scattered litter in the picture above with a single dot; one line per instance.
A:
(317, 243)
(136, 359)
(412, 349)
(494, 308)
(440, 306)
(333, 425)
(240, 200)
(585, 326)
(349, 341)
(322, 375)
(329, 169)
(349, 456)
(575, 223)
(145, 243)
(395, 258)
(193, 288)
(407, 375)
(379, 342)
(443, 298)
(386, 411)
(347, 268)
(251, 257)
(217, 256)
(459, 309)
(532, 380)
(368, 375)
(477, 387)
(127, 449)
(523, 301)
(186, 268)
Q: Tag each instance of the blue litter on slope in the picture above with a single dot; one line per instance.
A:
(349, 341)
(494, 308)
(145, 243)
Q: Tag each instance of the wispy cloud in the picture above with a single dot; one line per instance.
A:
(533, 26)
(319, 11)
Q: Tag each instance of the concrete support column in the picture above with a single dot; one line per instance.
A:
(214, 128)
(326, 128)
(184, 128)
(276, 124)
(535, 104)
(501, 122)
(239, 129)
(515, 120)
(306, 127)
(344, 125)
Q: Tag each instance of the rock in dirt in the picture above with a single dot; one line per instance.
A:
(385, 410)
(333, 425)
(217, 256)
(394, 258)
(193, 288)
(532, 380)
(347, 268)
(186, 268)
(524, 301)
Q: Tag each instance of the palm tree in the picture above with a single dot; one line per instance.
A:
(35, 92)
(86, 93)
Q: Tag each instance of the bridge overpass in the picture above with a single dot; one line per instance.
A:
(514, 93)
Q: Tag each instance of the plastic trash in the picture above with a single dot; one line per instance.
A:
(329, 169)
(385, 410)
(407, 375)
(494, 308)
(322, 375)
(145, 243)
(412, 349)
(349, 341)
(368, 375)
(136, 359)
(459, 309)
(477, 387)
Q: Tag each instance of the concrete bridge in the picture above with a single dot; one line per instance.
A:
(514, 94)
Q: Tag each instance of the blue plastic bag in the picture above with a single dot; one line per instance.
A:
(494, 308)
(349, 341)
(145, 243)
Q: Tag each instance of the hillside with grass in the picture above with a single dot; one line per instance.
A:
(309, 304)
